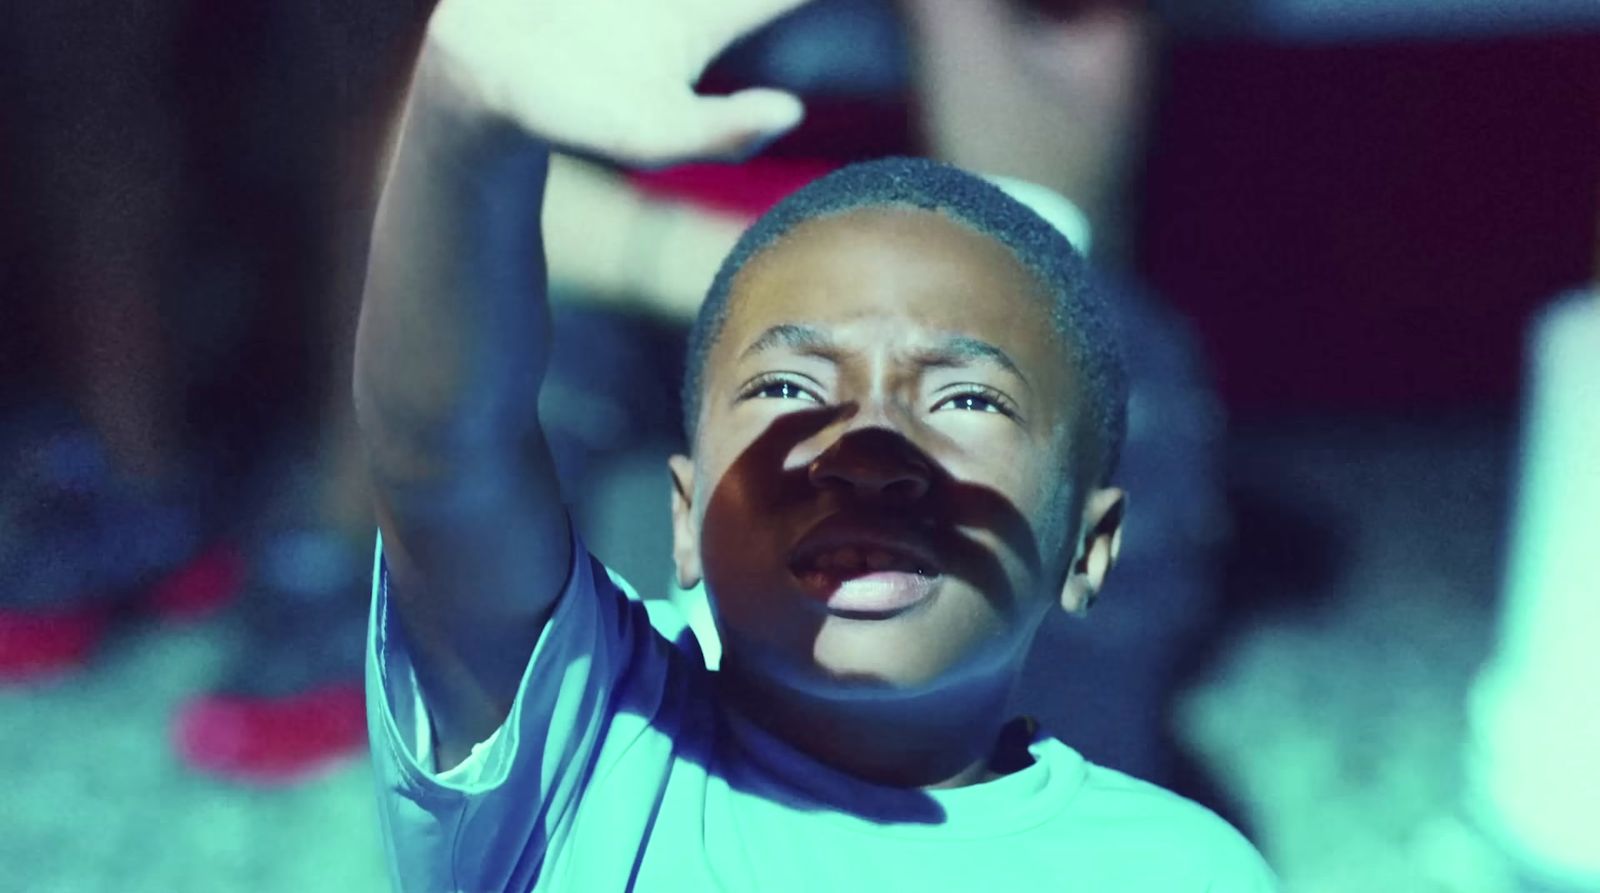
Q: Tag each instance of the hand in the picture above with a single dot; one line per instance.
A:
(612, 78)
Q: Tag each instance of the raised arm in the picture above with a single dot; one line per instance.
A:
(454, 330)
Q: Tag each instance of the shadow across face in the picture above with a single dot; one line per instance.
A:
(844, 561)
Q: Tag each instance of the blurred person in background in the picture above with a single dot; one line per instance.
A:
(195, 183)
(288, 106)
(1530, 818)
(97, 498)
(1535, 760)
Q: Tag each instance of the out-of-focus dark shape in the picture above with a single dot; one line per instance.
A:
(1368, 227)
(191, 187)
(1368, 20)
(100, 507)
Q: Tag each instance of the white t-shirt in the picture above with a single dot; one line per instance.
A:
(615, 770)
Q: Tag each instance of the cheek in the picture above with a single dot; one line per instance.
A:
(997, 454)
(739, 553)
(1029, 483)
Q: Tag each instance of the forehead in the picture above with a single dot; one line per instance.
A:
(905, 271)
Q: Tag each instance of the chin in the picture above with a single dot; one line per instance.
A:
(863, 658)
(838, 665)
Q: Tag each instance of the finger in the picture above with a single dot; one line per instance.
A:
(738, 125)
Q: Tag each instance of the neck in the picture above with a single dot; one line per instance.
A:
(941, 739)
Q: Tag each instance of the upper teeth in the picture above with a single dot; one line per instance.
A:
(851, 558)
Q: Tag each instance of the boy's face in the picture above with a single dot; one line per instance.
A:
(884, 489)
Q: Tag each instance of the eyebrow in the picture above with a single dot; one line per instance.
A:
(795, 336)
(952, 351)
(961, 350)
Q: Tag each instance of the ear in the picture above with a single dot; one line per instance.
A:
(685, 534)
(1103, 511)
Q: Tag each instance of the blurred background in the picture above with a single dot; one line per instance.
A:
(1338, 235)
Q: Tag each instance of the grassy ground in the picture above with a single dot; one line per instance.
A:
(95, 801)
(1332, 711)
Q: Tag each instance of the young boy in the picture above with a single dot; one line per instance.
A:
(903, 410)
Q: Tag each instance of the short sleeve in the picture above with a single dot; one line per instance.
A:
(487, 824)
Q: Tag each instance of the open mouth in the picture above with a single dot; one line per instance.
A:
(865, 578)
(855, 560)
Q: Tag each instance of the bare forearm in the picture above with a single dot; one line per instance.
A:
(454, 327)
(449, 356)
(454, 331)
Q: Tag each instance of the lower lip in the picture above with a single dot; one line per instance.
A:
(869, 596)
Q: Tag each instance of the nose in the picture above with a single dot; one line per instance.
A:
(874, 463)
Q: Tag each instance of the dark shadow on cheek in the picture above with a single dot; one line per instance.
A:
(746, 515)
(958, 508)
(757, 478)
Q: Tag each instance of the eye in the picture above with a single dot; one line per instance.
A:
(778, 386)
(976, 398)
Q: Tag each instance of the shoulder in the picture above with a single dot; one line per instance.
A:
(1194, 841)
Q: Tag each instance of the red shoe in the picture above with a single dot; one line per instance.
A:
(272, 741)
(292, 706)
(39, 642)
(36, 646)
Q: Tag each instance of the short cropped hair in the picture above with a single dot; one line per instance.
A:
(1078, 309)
